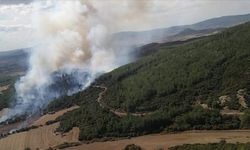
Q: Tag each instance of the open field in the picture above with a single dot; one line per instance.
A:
(42, 137)
(49, 117)
(152, 142)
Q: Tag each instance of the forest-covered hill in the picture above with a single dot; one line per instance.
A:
(170, 86)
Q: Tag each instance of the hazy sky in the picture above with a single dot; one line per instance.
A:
(16, 16)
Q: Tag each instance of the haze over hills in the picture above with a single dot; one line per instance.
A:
(161, 35)
(13, 62)
(17, 60)
(125, 40)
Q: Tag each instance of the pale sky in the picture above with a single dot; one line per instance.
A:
(16, 17)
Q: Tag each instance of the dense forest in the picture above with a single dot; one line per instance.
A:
(168, 85)
(204, 69)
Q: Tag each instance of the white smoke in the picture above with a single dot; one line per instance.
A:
(73, 35)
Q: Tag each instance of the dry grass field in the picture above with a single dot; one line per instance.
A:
(154, 142)
(42, 137)
(45, 118)
(45, 137)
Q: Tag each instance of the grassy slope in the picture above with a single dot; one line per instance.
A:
(167, 83)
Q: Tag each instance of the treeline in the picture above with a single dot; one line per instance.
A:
(213, 146)
(75, 99)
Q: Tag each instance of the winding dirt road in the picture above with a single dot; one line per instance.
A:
(117, 112)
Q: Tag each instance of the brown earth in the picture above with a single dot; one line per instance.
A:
(48, 117)
(3, 111)
(153, 142)
(3, 88)
(42, 137)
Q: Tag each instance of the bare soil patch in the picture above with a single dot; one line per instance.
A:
(49, 117)
(4, 88)
(3, 111)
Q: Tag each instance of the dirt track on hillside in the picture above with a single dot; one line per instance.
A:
(117, 112)
(153, 142)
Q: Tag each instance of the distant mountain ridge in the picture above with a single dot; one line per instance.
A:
(125, 40)
(161, 35)
(13, 62)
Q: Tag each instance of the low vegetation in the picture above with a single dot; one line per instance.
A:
(213, 146)
(66, 145)
(132, 147)
(245, 119)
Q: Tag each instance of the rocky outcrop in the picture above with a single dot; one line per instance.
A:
(243, 98)
(224, 99)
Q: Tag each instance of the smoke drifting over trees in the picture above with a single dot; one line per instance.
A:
(73, 35)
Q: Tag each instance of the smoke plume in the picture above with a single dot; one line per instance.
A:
(74, 39)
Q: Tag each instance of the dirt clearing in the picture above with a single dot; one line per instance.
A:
(4, 88)
(48, 117)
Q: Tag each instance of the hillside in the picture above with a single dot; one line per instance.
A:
(12, 64)
(168, 90)
(203, 69)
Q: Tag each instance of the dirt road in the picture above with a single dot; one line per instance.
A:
(117, 112)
